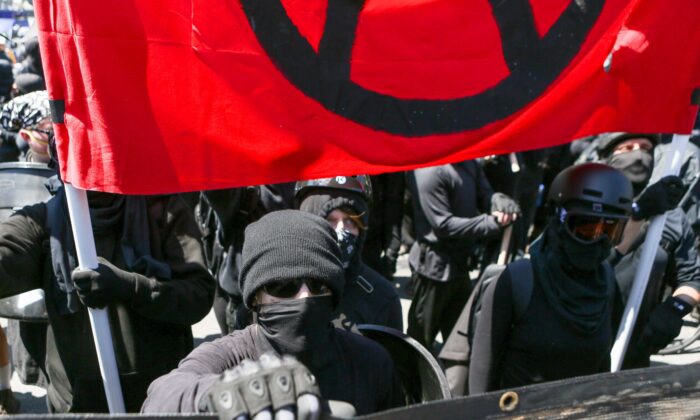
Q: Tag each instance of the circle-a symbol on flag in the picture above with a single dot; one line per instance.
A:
(533, 61)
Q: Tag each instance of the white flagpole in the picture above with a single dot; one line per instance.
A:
(101, 332)
(673, 160)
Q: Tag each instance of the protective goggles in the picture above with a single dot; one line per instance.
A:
(589, 228)
(289, 288)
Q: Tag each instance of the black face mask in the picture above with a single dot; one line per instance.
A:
(637, 166)
(348, 246)
(583, 257)
(297, 326)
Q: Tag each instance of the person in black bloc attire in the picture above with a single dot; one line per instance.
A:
(293, 279)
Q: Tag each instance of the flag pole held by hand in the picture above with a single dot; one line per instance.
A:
(101, 331)
(672, 165)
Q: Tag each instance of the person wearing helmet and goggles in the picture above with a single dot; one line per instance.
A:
(566, 326)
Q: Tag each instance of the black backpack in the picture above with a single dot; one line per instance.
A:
(456, 352)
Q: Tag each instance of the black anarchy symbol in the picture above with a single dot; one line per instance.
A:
(534, 63)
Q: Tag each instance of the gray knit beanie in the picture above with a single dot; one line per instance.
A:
(290, 245)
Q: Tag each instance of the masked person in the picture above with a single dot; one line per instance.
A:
(26, 124)
(223, 216)
(151, 278)
(293, 279)
(565, 328)
(368, 298)
(454, 208)
(26, 119)
(675, 265)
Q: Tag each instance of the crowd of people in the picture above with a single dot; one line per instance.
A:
(291, 270)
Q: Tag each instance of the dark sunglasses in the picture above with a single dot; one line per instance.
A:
(49, 133)
(289, 288)
(589, 229)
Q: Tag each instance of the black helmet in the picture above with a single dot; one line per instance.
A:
(594, 189)
(358, 184)
(605, 143)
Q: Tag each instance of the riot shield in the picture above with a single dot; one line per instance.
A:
(419, 372)
(661, 392)
(22, 184)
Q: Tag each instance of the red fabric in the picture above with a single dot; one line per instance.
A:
(175, 95)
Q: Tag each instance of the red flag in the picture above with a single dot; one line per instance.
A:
(174, 95)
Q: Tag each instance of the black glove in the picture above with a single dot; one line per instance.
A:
(659, 198)
(104, 285)
(270, 384)
(504, 204)
(664, 324)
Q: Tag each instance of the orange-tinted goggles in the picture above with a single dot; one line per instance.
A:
(588, 229)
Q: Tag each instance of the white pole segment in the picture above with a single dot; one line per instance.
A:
(672, 162)
(101, 331)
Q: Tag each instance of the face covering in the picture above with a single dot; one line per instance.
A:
(348, 246)
(573, 280)
(583, 257)
(637, 166)
(297, 326)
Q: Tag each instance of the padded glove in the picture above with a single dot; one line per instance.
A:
(104, 285)
(271, 384)
(664, 324)
(504, 204)
(659, 198)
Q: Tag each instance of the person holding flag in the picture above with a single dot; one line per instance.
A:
(676, 262)
(151, 278)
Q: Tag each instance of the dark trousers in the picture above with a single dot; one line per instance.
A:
(435, 307)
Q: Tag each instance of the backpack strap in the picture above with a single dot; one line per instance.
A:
(522, 281)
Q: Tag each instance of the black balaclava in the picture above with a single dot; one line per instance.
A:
(322, 202)
(572, 276)
(291, 245)
(298, 326)
(637, 166)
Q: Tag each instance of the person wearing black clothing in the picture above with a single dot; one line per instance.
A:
(293, 279)
(676, 262)
(222, 216)
(368, 298)
(151, 278)
(454, 207)
(381, 247)
(566, 329)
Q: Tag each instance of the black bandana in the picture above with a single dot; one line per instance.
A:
(300, 327)
(582, 298)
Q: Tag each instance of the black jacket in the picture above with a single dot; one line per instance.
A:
(451, 206)
(675, 265)
(355, 370)
(368, 298)
(150, 334)
(541, 346)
